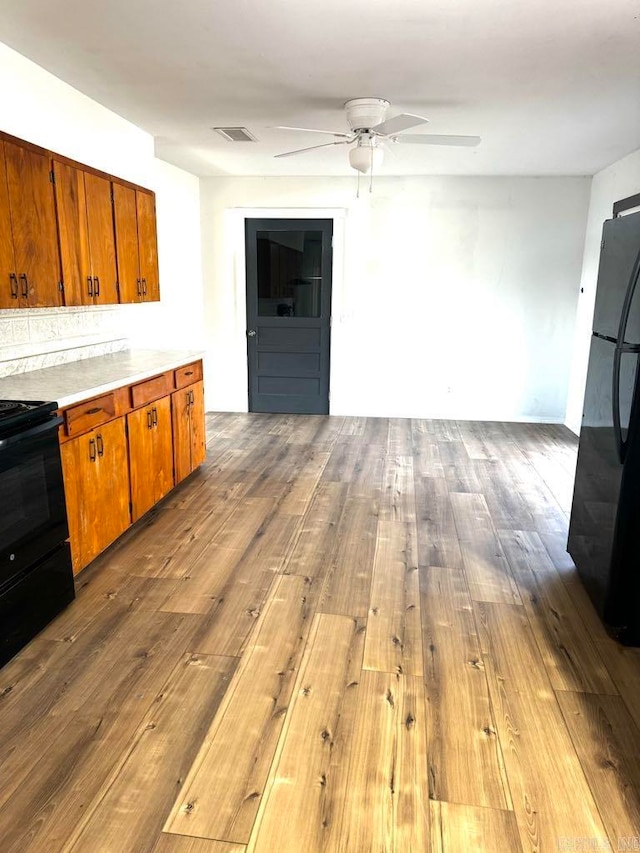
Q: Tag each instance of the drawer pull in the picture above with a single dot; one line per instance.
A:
(94, 411)
(188, 373)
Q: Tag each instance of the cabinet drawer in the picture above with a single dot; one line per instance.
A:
(85, 416)
(188, 374)
(151, 389)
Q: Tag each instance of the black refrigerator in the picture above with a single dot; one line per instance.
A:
(604, 531)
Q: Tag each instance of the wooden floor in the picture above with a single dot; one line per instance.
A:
(341, 634)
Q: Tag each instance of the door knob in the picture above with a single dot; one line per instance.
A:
(252, 333)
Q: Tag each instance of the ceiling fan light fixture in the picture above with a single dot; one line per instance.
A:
(365, 158)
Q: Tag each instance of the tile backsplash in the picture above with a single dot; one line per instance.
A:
(33, 337)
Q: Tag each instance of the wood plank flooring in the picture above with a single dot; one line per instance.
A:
(343, 635)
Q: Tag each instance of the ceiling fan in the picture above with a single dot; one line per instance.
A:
(369, 130)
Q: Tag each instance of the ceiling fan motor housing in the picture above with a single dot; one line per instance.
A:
(365, 113)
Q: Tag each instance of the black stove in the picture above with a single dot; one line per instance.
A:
(36, 580)
(17, 414)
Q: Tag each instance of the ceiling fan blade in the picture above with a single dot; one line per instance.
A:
(399, 123)
(313, 147)
(436, 139)
(314, 130)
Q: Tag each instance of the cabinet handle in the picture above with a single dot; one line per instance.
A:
(139, 287)
(93, 411)
(92, 450)
(144, 287)
(155, 416)
(100, 444)
(191, 400)
(13, 280)
(90, 285)
(188, 373)
(25, 284)
(96, 282)
(149, 419)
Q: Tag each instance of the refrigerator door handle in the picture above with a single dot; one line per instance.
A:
(626, 305)
(621, 445)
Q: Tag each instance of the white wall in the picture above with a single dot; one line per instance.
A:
(454, 297)
(618, 181)
(36, 106)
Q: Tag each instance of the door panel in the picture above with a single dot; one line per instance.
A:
(9, 293)
(73, 235)
(126, 227)
(180, 410)
(33, 220)
(96, 486)
(102, 241)
(148, 241)
(288, 314)
(620, 245)
(198, 429)
(141, 461)
(163, 448)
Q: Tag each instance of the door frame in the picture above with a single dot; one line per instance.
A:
(237, 272)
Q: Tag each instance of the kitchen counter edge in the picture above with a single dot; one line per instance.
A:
(76, 381)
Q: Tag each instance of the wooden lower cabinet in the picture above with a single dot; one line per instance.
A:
(96, 486)
(150, 455)
(124, 451)
(187, 408)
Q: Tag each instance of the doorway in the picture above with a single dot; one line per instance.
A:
(288, 263)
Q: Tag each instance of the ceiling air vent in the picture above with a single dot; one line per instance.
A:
(235, 134)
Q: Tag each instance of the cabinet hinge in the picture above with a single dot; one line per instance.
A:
(52, 176)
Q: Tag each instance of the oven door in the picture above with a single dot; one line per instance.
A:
(33, 519)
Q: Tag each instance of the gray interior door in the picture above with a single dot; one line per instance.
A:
(288, 314)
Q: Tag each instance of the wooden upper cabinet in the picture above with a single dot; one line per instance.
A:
(136, 244)
(33, 226)
(148, 245)
(9, 293)
(102, 241)
(87, 238)
(73, 233)
(126, 224)
(70, 234)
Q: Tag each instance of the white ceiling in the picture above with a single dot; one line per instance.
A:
(552, 86)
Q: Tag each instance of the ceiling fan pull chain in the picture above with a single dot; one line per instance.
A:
(371, 173)
(358, 186)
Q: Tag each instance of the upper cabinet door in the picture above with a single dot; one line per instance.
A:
(148, 242)
(33, 219)
(102, 241)
(73, 234)
(124, 211)
(9, 292)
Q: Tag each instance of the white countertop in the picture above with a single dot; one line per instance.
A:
(78, 380)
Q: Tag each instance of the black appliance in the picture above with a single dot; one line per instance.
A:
(604, 532)
(36, 578)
